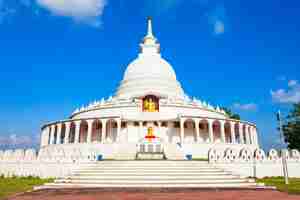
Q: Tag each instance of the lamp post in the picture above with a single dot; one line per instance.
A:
(283, 151)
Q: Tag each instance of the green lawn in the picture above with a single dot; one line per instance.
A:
(10, 186)
(292, 188)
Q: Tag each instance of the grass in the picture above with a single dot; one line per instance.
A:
(292, 188)
(200, 159)
(14, 185)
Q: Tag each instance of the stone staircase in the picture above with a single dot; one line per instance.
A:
(150, 174)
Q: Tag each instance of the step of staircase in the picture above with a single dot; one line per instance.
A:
(150, 174)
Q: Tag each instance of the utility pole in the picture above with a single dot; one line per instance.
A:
(283, 151)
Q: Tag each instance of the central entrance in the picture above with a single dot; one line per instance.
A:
(150, 147)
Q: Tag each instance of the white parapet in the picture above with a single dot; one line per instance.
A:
(256, 163)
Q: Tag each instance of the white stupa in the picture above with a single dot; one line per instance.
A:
(149, 113)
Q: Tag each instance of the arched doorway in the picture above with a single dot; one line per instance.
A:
(83, 132)
(203, 129)
(227, 129)
(111, 131)
(217, 131)
(190, 135)
(96, 131)
(237, 133)
(55, 135)
(72, 133)
(63, 133)
(244, 134)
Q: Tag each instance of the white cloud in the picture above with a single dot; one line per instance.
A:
(245, 107)
(217, 19)
(292, 83)
(219, 27)
(290, 95)
(20, 141)
(87, 11)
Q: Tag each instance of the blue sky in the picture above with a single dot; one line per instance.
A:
(57, 55)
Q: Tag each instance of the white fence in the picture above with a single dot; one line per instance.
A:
(256, 163)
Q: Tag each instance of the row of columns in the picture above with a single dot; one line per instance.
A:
(250, 136)
(57, 128)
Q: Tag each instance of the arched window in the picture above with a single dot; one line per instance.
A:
(150, 103)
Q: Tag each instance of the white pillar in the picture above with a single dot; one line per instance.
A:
(67, 133)
(103, 137)
(222, 129)
(45, 136)
(242, 141)
(48, 135)
(181, 130)
(247, 135)
(58, 135)
(90, 129)
(197, 121)
(52, 134)
(119, 123)
(77, 131)
(210, 130)
(256, 136)
(159, 129)
(140, 129)
(168, 135)
(232, 130)
(253, 135)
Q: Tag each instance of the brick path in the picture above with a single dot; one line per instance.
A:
(156, 195)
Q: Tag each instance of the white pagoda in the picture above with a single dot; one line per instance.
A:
(149, 115)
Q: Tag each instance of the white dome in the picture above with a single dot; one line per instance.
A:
(150, 74)
(149, 66)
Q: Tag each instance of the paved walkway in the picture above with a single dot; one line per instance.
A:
(156, 195)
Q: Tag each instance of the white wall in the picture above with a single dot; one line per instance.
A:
(255, 163)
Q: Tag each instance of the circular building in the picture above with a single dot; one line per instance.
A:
(150, 116)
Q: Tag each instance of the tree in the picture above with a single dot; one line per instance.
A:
(291, 128)
(231, 114)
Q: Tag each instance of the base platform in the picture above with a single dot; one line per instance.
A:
(151, 174)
